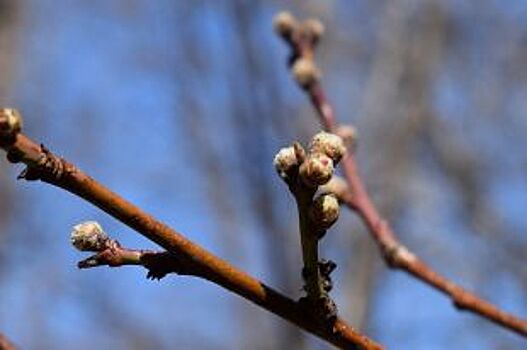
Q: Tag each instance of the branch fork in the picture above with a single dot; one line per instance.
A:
(181, 256)
(353, 192)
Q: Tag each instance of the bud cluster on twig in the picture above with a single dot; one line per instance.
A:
(305, 172)
(302, 37)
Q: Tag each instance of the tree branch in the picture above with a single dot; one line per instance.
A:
(47, 167)
(304, 174)
(300, 38)
(89, 236)
(5, 344)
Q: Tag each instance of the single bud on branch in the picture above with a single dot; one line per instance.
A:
(316, 170)
(324, 211)
(305, 72)
(337, 185)
(329, 144)
(314, 28)
(89, 236)
(285, 161)
(285, 24)
(10, 123)
(348, 134)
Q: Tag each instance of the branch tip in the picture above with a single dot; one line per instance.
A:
(10, 125)
(285, 24)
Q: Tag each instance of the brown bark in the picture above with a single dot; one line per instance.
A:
(5, 344)
(357, 198)
(45, 166)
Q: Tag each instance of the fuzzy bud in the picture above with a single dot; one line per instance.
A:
(324, 211)
(305, 72)
(314, 28)
(348, 134)
(329, 144)
(336, 186)
(285, 161)
(10, 121)
(316, 170)
(89, 236)
(284, 24)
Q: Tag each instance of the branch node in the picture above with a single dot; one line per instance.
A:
(48, 167)
(397, 255)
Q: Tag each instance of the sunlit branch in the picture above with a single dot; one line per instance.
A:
(47, 167)
(302, 39)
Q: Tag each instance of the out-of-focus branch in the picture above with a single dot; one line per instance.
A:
(5, 344)
(302, 38)
(47, 167)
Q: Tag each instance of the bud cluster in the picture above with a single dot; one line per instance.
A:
(302, 37)
(312, 169)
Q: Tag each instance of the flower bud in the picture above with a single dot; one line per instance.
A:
(10, 121)
(316, 170)
(305, 72)
(324, 211)
(329, 144)
(284, 24)
(336, 186)
(285, 161)
(314, 28)
(348, 134)
(89, 236)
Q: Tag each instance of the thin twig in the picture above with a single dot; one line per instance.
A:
(89, 236)
(394, 253)
(304, 173)
(45, 166)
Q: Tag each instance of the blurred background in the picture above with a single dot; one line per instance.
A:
(180, 106)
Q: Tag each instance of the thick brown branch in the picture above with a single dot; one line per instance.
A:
(45, 166)
(358, 199)
(5, 344)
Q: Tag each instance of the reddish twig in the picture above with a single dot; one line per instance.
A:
(45, 166)
(89, 236)
(5, 344)
(357, 198)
